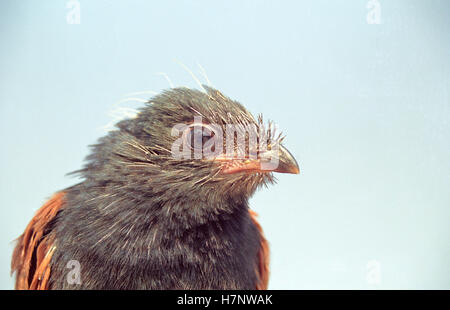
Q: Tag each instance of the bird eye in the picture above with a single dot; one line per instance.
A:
(198, 136)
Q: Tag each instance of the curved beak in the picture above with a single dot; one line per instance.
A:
(279, 160)
(287, 162)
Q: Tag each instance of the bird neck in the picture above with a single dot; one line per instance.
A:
(168, 212)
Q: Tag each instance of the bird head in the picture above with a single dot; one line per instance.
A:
(188, 144)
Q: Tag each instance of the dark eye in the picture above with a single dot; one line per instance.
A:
(198, 136)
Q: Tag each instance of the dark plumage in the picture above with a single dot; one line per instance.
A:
(142, 219)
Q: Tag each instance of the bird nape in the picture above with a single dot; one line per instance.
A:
(163, 203)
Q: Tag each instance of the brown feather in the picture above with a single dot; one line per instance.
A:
(34, 249)
(262, 266)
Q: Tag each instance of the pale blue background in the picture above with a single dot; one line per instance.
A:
(366, 110)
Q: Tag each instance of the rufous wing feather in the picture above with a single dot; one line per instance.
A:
(34, 249)
(262, 264)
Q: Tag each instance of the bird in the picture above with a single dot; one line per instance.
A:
(149, 213)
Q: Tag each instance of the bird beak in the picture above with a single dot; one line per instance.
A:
(279, 160)
(286, 162)
(275, 160)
